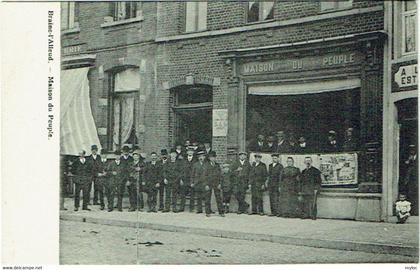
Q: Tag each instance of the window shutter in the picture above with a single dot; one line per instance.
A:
(112, 9)
(190, 17)
(202, 15)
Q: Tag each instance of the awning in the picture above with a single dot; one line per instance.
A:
(77, 128)
(303, 88)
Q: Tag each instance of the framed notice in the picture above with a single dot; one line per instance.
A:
(220, 122)
(339, 169)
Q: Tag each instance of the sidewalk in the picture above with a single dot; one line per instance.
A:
(387, 238)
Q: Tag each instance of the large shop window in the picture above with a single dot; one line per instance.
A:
(124, 107)
(69, 15)
(409, 25)
(308, 110)
(195, 16)
(260, 11)
(125, 10)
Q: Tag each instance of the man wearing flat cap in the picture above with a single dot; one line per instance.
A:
(275, 170)
(96, 163)
(199, 177)
(257, 181)
(136, 178)
(240, 172)
(171, 179)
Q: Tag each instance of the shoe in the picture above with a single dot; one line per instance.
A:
(63, 209)
(222, 215)
(199, 212)
(131, 210)
(271, 215)
(110, 210)
(207, 215)
(119, 209)
(160, 209)
(191, 210)
(165, 211)
(253, 213)
(181, 210)
(76, 209)
(262, 214)
(86, 209)
(239, 213)
(102, 207)
(95, 203)
(212, 212)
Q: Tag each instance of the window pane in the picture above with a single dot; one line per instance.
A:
(253, 11)
(328, 5)
(410, 5)
(345, 4)
(190, 18)
(64, 15)
(410, 33)
(267, 10)
(119, 11)
(71, 14)
(202, 15)
(127, 80)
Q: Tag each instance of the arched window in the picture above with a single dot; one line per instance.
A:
(125, 87)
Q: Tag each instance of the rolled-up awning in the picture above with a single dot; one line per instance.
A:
(77, 129)
(303, 88)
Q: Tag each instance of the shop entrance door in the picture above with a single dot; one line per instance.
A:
(194, 125)
(408, 156)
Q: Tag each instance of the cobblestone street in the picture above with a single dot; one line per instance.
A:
(85, 243)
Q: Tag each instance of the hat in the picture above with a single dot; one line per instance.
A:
(332, 132)
(94, 147)
(163, 152)
(117, 152)
(190, 149)
(257, 155)
(136, 152)
(412, 146)
(275, 155)
(225, 165)
(172, 150)
(212, 154)
(271, 138)
(242, 153)
(126, 148)
(201, 153)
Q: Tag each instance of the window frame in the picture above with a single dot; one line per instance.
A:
(347, 4)
(196, 27)
(133, 14)
(72, 22)
(113, 96)
(404, 15)
(259, 12)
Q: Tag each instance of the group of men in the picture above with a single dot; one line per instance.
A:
(290, 144)
(192, 173)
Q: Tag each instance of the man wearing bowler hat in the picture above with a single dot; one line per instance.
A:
(257, 181)
(96, 163)
(126, 162)
(163, 163)
(240, 171)
(199, 176)
(332, 144)
(83, 172)
(213, 184)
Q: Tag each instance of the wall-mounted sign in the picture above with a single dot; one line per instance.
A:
(220, 122)
(72, 49)
(406, 76)
(304, 63)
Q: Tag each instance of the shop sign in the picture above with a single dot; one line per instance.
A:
(220, 122)
(406, 76)
(72, 49)
(305, 63)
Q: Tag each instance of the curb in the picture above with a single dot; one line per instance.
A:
(285, 240)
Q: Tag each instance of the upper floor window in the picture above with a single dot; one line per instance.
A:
(409, 25)
(260, 11)
(336, 5)
(125, 10)
(196, 16)
(69, 15)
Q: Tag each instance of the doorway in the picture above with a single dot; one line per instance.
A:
(194, 125)
(408, 145)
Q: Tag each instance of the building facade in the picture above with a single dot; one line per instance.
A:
(162, 73)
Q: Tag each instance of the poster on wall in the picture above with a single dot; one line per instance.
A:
(220, 122)
(339, 169)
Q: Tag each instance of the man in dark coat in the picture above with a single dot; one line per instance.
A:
(82, 171)
(112, 176)
(310, 185)
(331, 144)
(185, 182)
(302, 146)
(240, 171)
(257, 181)
(350, 142)
(199, 179)
(289, 188)
(213, 184)
(258, 145)
(282, 145)
(161, 189)
(171, 178)
(136, 178)
(152, 180)
(270, 146)
(275, 170)
(98, 190)
(180, 153)
(126, 162)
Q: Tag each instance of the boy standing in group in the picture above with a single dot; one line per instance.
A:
(226, 186)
